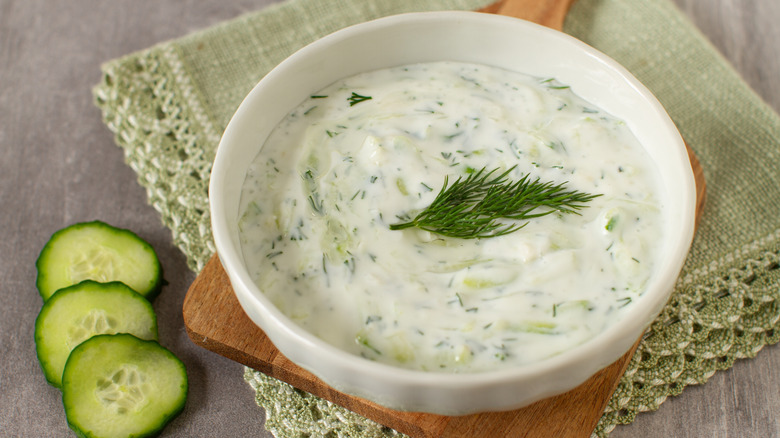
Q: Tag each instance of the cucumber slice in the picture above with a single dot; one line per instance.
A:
(98, 251)
(120, 386)
(76, 313)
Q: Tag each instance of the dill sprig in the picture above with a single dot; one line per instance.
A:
(471, 208)
(355, 99)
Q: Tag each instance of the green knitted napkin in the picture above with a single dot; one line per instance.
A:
(169, 104)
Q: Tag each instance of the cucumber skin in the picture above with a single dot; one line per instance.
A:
(40, 320)
(77, 429)
(41, 281)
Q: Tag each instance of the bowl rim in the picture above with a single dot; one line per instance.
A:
(257, 306)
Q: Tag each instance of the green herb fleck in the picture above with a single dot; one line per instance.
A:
(315, 203)
(355, 99)
(350, 264)
(362, 340)
(373, 318)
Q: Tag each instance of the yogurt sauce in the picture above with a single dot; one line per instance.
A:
(339, 169)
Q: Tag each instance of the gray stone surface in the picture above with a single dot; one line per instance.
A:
(59, 165)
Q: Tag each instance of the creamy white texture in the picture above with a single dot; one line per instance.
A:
(318, 201)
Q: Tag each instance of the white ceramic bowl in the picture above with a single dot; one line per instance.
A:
(457, 36)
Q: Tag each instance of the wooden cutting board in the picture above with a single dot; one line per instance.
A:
(215, 321)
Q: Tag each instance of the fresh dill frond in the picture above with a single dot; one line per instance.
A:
(355, 99)
(472, 208)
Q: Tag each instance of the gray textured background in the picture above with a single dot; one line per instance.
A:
(59, 165)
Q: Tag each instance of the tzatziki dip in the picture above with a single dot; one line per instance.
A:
(375, 149)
